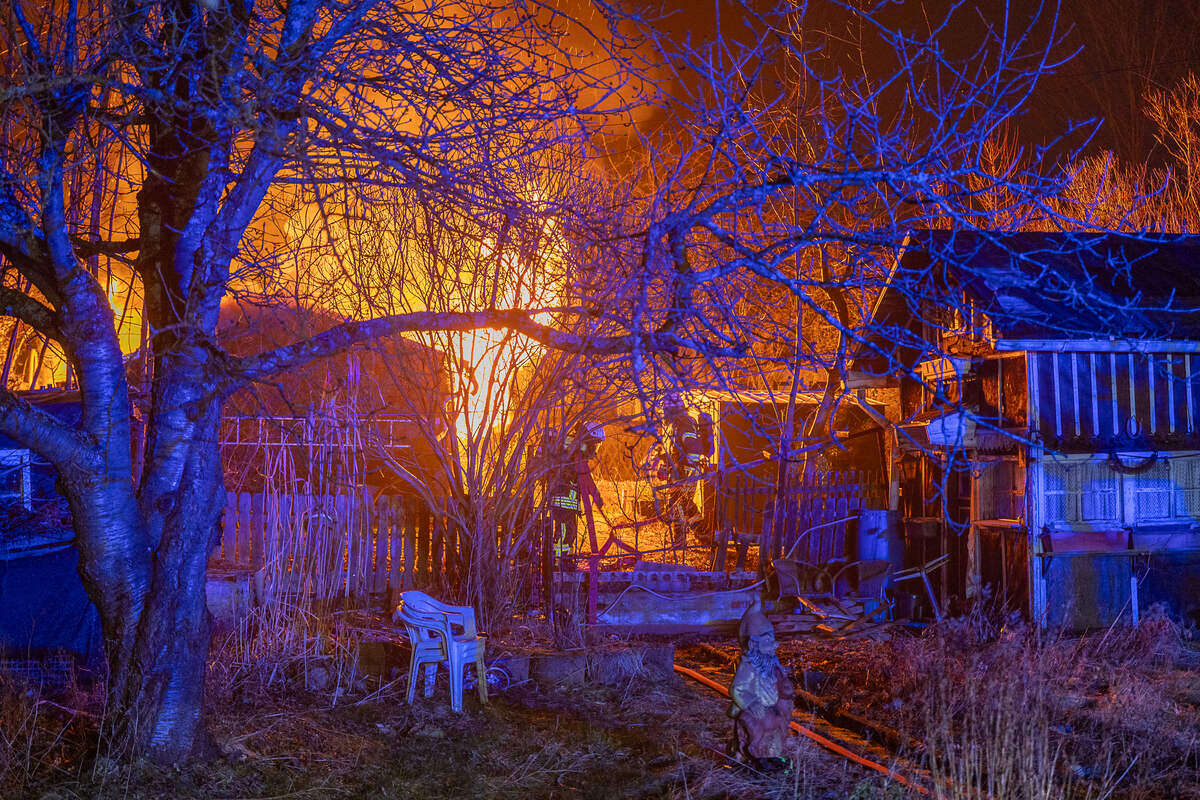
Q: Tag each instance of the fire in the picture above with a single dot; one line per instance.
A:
(360, 262)
(494, 356)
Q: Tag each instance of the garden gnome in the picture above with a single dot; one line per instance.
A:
(762, 696)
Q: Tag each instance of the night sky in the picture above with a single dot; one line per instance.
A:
(1122, 48)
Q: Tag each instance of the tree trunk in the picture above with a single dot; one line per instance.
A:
(143, 561)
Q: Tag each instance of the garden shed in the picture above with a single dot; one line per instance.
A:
(1050, 421)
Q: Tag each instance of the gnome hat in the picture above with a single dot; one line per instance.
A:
(754, 623)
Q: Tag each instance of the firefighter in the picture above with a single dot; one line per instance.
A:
(568, 477)
(688, 447)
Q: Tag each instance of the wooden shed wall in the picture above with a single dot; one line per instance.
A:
(1083, 401)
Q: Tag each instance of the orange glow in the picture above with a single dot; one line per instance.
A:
(494, 355)
(361, 261)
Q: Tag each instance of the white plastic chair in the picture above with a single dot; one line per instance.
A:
(431, 628)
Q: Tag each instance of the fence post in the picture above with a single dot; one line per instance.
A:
(437, 554)
(340, 537)
(424, 523)
(409, 509)
(241, 536)
(381, 518)
(229, 528)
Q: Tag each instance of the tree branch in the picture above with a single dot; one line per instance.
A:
(349, 334)
(30, 311)
(86, 249)
(35, 429)
(22, 246)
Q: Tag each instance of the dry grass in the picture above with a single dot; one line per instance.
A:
(1022, 715)
(641, 739)
(285, 645)
(44, 731)
(1005, 712)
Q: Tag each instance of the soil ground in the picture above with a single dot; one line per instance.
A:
(642, 739)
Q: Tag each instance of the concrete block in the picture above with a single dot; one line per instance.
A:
(556, 670)
(619, 665)
(515, 664)
(228, 597)
(379, 657)
(645, 610)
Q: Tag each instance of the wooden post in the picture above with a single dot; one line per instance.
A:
(383, 544)
(410, 544)
(229, 528)
(721, 543)
(451, 542)
(341, 543)
(424, 523)
(241, 537)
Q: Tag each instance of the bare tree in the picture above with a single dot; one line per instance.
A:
(169, 145)
(161, 143)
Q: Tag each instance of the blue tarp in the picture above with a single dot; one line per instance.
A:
(44, 608)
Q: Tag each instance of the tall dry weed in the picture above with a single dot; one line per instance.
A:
(282, 646)
(1011, 712)
(43, 731)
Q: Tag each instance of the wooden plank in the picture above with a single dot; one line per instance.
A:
(241, 538)
(450, 555)
(720, 553)
(356, 544)
(367, 546)
(381, 569)
(370, 549)
(300, 570)
(271, 524)
(424, 523)
(284, 546)
(256, 531)
(1187, 388)
(1171, 392)
(229, 528)
(409, 537)
(353, 531)
(437, 552)
(1153, 398)
(338, 574)
(1075, 392)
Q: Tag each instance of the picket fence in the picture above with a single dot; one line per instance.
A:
(339, 546)
(816, 512)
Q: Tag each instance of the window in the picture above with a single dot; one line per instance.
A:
(1187, 488)
(1090, 494)
(1151, 493)
(1100, 493)
(1061, 493)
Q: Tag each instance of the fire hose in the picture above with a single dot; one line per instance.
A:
(828, 744)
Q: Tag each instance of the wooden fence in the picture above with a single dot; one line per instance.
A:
(812, 522)
(339, 545)
(818, 511)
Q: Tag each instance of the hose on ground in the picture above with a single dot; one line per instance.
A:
(828, 744)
